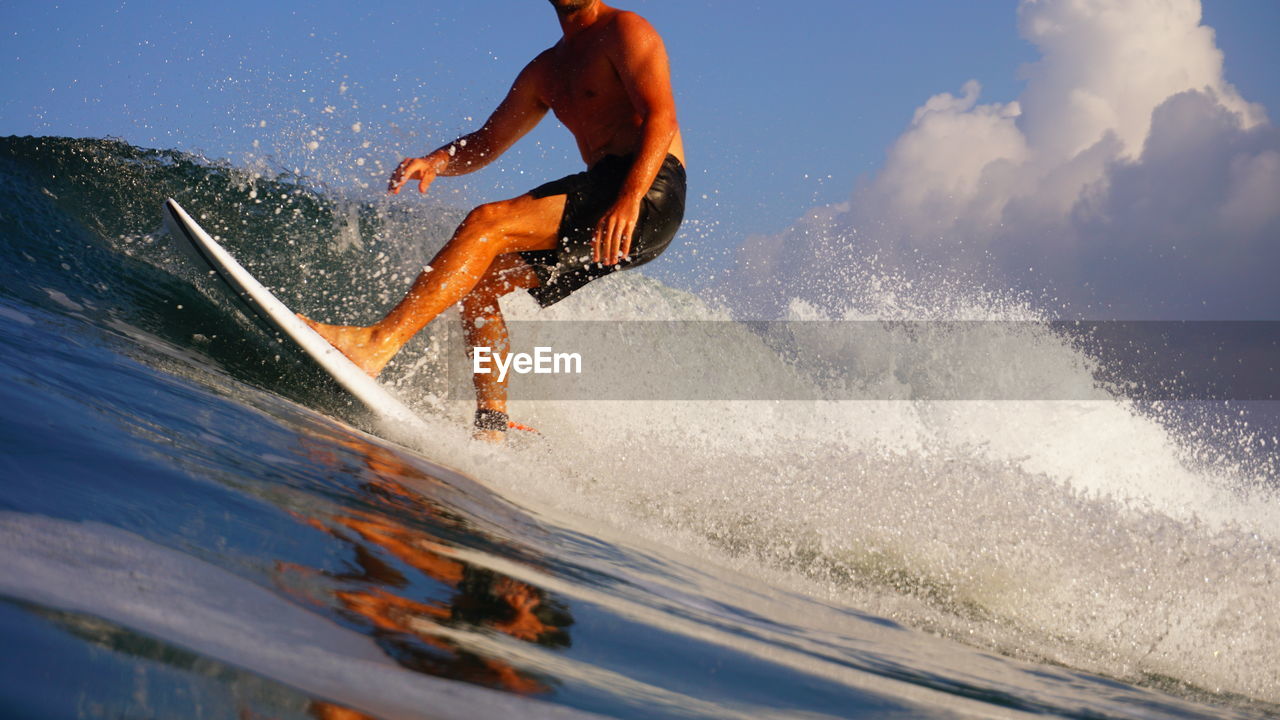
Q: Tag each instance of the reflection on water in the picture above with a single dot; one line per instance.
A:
(405, 587)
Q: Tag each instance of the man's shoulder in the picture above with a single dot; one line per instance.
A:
(630, 32)
(543, 58)
(631, 25)
(540, 66)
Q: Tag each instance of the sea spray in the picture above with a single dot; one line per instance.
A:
(1086, 532)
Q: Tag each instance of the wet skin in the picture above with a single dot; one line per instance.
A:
(608, 81)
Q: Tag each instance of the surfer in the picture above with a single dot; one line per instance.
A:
(607, 79)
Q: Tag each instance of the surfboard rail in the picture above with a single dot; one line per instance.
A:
(387, 410)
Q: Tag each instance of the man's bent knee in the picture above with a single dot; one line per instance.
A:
(489, 217)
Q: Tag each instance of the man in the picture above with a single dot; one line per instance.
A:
(608, 81)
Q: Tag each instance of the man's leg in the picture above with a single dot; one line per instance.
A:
(484, 326)
(509, 226)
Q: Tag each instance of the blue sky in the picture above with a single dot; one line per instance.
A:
(785, 105)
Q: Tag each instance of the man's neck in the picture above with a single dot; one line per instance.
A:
(578, 20)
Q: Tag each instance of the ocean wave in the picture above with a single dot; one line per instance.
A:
(1097, 533)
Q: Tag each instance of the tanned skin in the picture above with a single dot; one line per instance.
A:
(608, 81)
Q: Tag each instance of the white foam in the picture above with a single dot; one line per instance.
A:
(1074, 531)
(62, 299)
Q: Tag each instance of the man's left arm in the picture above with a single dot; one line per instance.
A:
(641, 60)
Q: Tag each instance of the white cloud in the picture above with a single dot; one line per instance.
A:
(1107, 65)
(1129, 179)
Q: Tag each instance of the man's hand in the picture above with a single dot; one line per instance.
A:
(423, 169)
(612, 242)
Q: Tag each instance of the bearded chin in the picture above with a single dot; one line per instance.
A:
(568, 7)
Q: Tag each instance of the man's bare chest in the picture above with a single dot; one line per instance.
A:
(584, 82)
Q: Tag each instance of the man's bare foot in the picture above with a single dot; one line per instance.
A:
(361, 345)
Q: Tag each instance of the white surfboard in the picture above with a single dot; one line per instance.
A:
(390, 414)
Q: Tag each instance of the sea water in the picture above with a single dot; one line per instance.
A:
(194, 524)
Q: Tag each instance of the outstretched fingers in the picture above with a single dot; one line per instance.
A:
(397, 177)
(411, 169)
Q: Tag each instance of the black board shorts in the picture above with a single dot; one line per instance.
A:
(589, 195)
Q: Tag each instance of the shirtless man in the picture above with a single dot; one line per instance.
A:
(608, 81)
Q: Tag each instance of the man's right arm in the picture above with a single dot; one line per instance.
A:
(516, 115)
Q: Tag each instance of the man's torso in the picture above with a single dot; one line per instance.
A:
(581, 85)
